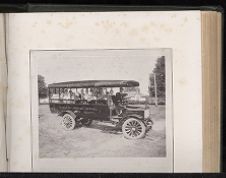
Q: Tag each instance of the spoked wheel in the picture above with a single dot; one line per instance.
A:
(86, 122)
(149, 123)
(133, 128)
(68, 122)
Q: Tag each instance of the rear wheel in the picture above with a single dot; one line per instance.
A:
(133, 128)
(68, 122)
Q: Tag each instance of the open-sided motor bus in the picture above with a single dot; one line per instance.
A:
(80, 102)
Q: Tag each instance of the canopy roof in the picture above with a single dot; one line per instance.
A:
(95, 83)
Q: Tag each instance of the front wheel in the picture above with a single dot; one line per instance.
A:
(149, 123)
(68, 122)
(133, 128)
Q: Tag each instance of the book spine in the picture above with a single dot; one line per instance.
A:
(3, 91)
(211, 64)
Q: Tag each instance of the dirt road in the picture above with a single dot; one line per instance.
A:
(98, 140)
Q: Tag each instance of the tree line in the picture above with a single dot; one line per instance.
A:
(42, 88)
(159, 72)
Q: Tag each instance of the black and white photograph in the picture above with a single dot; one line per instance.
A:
(102, 103)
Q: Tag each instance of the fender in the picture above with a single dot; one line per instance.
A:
(136, 116)
(68, 112)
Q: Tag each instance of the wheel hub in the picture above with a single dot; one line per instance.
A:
(133, 129)
(67, 122)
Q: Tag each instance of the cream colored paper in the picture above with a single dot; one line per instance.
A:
(180, 31)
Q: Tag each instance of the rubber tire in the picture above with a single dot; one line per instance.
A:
(152, 123)
(68, 122)
(139, 124)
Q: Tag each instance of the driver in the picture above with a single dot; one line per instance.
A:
(119, 101)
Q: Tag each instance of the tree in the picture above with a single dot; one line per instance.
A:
(159, 72)
(42, 89)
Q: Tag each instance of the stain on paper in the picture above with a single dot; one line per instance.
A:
(65, 24)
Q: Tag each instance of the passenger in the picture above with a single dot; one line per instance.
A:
(112, 96)
(61, 95)
(111, 102)
(72, 95)
(105, 95)
(90, 95)
(111, 92)
(86, 94)
(66, 95)
(100, 94)
(77, 95)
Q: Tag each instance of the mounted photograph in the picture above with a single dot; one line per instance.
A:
(102, 103)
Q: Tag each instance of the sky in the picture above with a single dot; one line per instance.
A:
(60, 66)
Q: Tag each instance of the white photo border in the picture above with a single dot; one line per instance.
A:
(162, 164)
